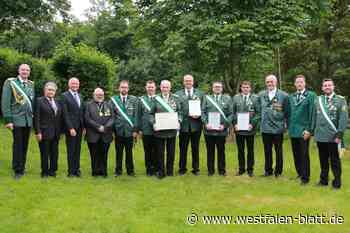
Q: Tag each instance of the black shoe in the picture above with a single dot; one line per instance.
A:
(18, 175)
(70, 175)
(222, 174)
(266, 174)
(196, 173)
(336, 184)
(52, 174)
(131, 174)
(304, 182)
(170, 174)
(160, 175)
(44, 175)
(210, 173)
(182, 172)
(321, 184)
(250, 174)
(277, 175)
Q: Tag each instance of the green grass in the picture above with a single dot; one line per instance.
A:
(143, 204)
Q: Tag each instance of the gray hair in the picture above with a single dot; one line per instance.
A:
(50, 84)
(165, 81)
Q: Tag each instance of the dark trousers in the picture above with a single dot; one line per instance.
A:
(328, 151)
(241, 141)
(219, 143)
(169, 145)
(19, 148)
(300, 149)
(184, 140)
(73, 152)
(276, 141)
(122, 143)
(99, 154)
(149, 147)
(49, 155)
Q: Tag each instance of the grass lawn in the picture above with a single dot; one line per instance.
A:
(144, 204)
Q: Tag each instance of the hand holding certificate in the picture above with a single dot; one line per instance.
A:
(166, 121)
(214, 120)
(243, 121)
(194, 108)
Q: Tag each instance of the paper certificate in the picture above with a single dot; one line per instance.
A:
(194, 108)
(214, 120)
(243, 121)
(166, 121)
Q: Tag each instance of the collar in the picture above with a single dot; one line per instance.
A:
(190, 91)
(21, 79)
(330, 96)
(165, 96)
(125, 96)
(248, 95)
(301, 92)
(272, 91)
(53, 99)
(151, 96)
(73, 92)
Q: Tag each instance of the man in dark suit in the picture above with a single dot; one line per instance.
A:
(99, 119)
(73, 114)
(47, 125)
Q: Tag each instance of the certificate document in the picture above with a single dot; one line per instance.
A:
(166, 121)
(243, 121)
(194, 108)
(214, 120)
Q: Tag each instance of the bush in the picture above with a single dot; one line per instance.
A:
(92, 68)
(10, 59)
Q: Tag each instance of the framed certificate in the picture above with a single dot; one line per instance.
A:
(194, 108)
(166, 121)
(214, 119)
(243, 121)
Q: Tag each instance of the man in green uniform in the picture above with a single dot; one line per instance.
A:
(274, 106)
(17, 109)
(125, 127)
(217, 115)
(145, 127)
(166, 102)
(330, 124)
(191, 126)
(301, 105)
(246, 103)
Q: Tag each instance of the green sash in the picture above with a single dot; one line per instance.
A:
(122, 110)
(325, 114)
(217, 107)
(145, 103)
(165, 106)
(20, 90)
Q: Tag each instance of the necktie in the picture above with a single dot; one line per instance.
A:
(76, 97)
(298, 96)
(216, 98)
(53, 105)
(123, 100)
(245, 100)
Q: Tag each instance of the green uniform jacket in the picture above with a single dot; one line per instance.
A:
(15, 108)
(300, 113)
(338, 114)
(251, 106)
(145, 117)
(121, 125)
(175, 104)
(273, 112)
(188, 123)
(225, 103)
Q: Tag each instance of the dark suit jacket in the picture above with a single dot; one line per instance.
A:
(73, 114)
(45, 120)
(95, 117)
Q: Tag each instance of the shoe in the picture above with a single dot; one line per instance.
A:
(70, 175)
(277, 175)
(250, 174)
(181, 172)
(222, 174)
(336, 185)
(196, 173)
(131, 174)
(210, 173)
(160, 175)
(304, 182)
(52, 174)
(44, 175)
(266, 174)
(320, 184)
(170, 174)
(239, 173)
(117, 174)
